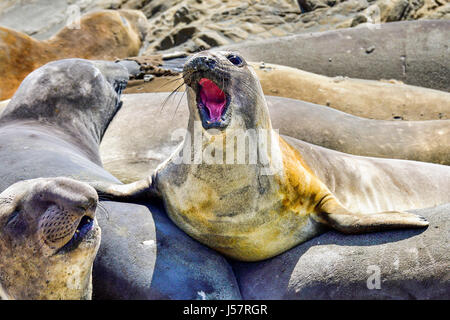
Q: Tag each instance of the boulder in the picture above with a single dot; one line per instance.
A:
(42, 19)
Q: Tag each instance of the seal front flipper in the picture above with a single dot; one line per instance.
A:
(139, 190)
(333, 214)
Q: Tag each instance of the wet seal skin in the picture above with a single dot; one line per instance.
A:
(49, 238)
(248, 214)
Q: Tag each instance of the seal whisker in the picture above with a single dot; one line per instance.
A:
(103, 210)
(170, 95)
(169, 82)
(176, 109)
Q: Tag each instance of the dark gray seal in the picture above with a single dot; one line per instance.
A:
(53, 127)
(406, 265)
(415, 52)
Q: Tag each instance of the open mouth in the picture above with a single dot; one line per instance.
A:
(212, 103)
(84, 226)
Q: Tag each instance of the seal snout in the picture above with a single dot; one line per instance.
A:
(207, 75)
(202, 63)
(69, 214)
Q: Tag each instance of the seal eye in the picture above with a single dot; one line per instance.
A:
(234, 59)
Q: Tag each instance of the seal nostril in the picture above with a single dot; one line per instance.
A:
(84, 226)
(210, 63)
(204, 64)
(87, 205)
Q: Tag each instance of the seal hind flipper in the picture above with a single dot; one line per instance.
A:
(333, 214)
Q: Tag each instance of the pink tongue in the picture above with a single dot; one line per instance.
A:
(212, 98)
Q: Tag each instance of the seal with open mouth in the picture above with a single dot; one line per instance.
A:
(257, 209)
(52, 128)
(48, 239)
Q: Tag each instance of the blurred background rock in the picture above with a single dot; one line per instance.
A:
(194, 25)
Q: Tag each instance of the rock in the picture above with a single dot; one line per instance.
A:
(276, 18)
(441, 13)
(103, 35)
(213, 39)
(411, 264)
(41, 19)
(358, 19)
(250, 20)
(311, 5)
(184, 14)
(392, 10)
(211, 20)
(414, 52)
(176, 38)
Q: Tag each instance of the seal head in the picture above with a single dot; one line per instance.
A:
(224, 92)
(78, 96)
(48, 239)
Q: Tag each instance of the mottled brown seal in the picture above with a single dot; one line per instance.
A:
(48, 239)
(253, 211)
(105, 34)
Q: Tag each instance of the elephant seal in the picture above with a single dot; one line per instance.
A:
(104, 35)
(276, 192)
(413, 52)
(52, 127)
(48, 239)
(376, 266)
(381, 100)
